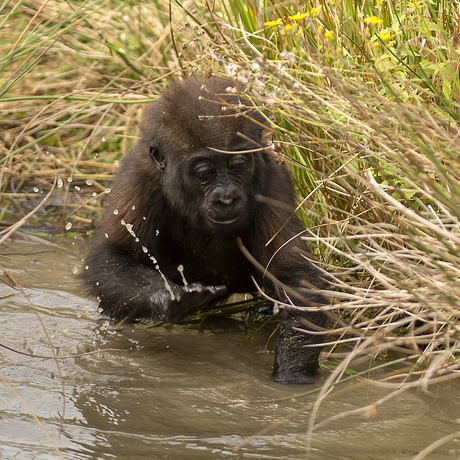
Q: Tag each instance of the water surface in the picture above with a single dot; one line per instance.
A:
(170, 392)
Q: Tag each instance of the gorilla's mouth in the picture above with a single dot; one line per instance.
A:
(226, 221)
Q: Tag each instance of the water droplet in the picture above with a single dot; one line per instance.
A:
(145, 218)
(69, 179)
(116, 212)
(65, 328)
(157, 232)
(106, 235)
(107, 190)
(75, 270)
(77, 188)
(68, 225)
(86, 267)
(36, 190)
(133, 207)
(103, 139)
(145, 249)
(89, 182)
(129, 227)
(60, 183)
(94, 194)
(47, 152)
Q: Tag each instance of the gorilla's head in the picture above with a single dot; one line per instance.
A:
(187, 131)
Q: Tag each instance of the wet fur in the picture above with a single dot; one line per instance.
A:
(167, 218)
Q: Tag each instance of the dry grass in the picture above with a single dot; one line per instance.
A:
(366, 113)
(71, 98)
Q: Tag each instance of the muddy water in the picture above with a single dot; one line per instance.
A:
(168, 393)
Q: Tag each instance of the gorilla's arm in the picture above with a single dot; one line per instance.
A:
(297, 351)
(129, 290)
(296, 360)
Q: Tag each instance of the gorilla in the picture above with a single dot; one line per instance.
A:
(196, 193)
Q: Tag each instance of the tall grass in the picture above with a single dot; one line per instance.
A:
(363, 98)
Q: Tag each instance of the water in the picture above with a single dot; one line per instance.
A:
(169, 393)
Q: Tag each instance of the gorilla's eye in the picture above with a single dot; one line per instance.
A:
(239, 162)
(203, 171)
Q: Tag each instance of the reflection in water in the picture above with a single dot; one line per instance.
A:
(168, 392)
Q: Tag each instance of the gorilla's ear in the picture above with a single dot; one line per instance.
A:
(157, 157)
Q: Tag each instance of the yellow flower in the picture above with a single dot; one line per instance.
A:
(376, 44)
(329, 35)
(385, 37)
(314, 11)
(298, 16)
(374, 20)
(288, 27)
(274, 23)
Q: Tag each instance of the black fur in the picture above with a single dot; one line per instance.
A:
(177, 202)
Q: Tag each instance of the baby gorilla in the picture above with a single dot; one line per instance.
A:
(180, 209)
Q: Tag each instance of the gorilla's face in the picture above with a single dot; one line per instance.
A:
(212, 191)
(222, 181)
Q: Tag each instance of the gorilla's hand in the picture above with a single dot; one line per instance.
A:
(190, 299)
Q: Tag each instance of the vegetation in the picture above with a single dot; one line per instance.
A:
(363, 98)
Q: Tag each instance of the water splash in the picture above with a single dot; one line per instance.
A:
(129, 227)
(180, 269)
